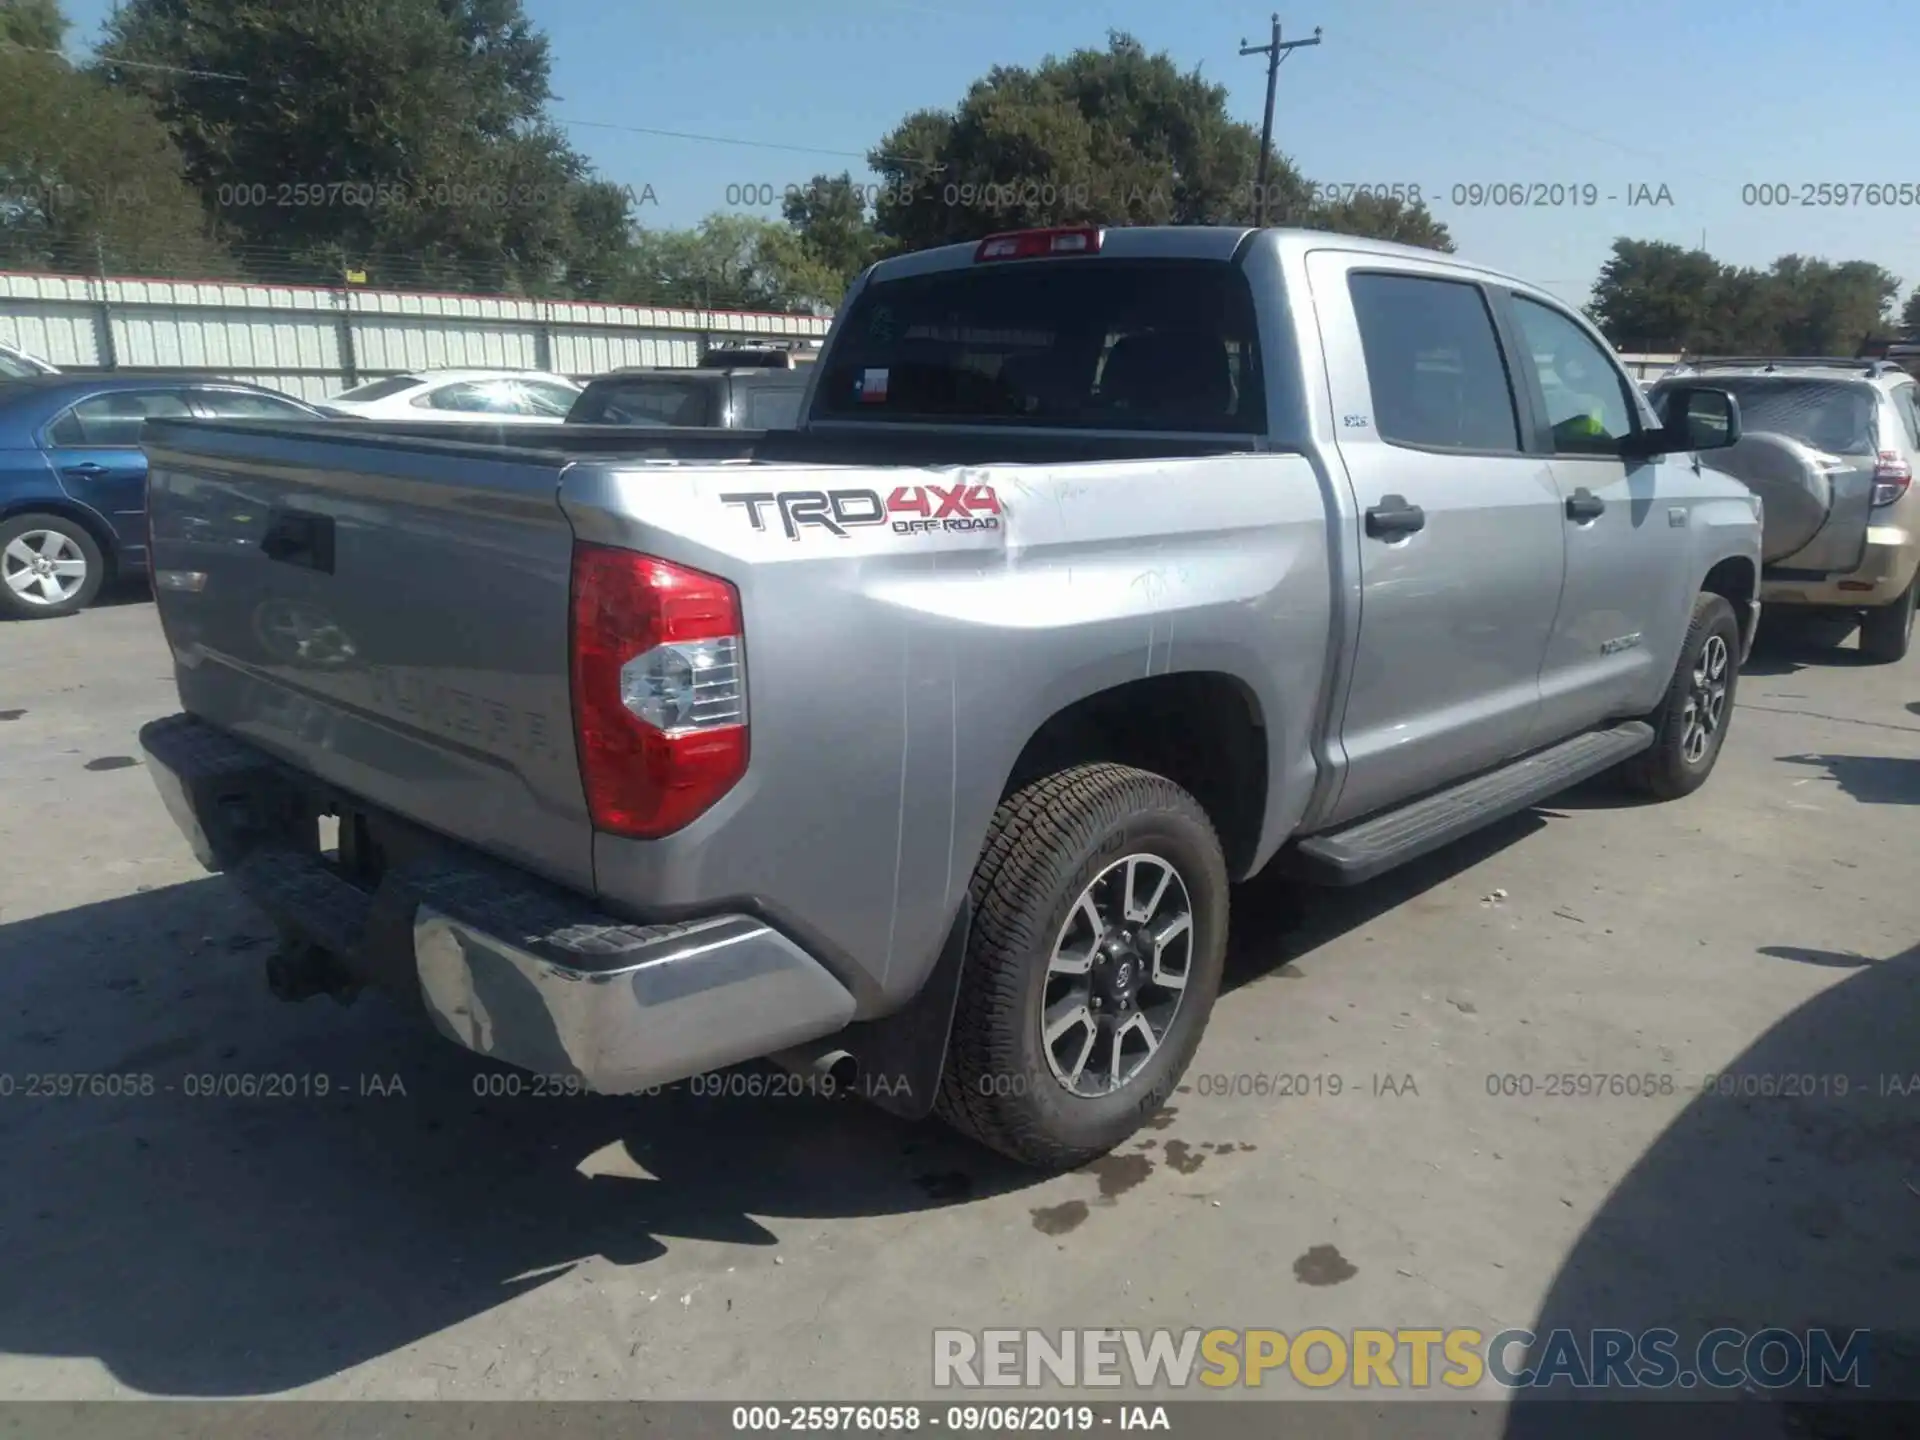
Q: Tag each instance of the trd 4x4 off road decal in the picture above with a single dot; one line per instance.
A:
(910, 510)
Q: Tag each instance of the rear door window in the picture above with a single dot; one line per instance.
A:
(1434, 364)
(249, 404)
(114, 419)
(1163, 345)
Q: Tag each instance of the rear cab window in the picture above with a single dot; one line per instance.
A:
(1160, 345)
(690, 400)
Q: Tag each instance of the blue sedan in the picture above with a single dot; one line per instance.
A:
(73, 478)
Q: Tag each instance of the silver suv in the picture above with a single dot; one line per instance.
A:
(1830, 446)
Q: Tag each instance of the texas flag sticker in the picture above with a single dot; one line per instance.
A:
(872, 387)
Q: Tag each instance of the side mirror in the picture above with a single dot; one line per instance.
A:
(1696, 417)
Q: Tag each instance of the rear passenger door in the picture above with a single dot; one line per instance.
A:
(95, 447)
(1628, 596)
(1460, 550)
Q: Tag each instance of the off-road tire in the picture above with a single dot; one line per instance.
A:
(1048, 841)
(1663, 771)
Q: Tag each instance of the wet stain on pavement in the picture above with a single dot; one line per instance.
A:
(112, 762)
(1059, 1219)
(947, 1185)
(11, 714)
(1118, 1174)
(1162, 1119)
(1182, 1157)
(1323, 1265)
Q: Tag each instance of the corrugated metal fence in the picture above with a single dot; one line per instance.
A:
(314, 342)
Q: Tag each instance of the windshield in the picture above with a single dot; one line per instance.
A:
(1112, 345)
(1830, 415)
(14, 367)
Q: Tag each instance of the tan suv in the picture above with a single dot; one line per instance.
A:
(1830, 446)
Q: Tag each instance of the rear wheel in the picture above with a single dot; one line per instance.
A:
(1691, 724)
(1886, 631)
(1100, 922)
(49, 566)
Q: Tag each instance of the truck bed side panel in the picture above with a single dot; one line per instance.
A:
(893, 678)
(426, 669)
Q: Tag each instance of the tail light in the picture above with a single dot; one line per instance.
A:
(1892, 474)
(659, 690)
(1029, 244)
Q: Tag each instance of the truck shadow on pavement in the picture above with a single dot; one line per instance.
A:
(203, 1245)
(1758, 1208)
(217, 1244)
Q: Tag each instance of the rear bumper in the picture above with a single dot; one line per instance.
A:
(1882, 576)
(500, 961)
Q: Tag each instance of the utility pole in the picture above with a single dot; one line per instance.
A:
(1275, 52)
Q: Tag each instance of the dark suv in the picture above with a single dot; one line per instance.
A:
(756, 397)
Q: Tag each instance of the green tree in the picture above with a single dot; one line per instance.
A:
(414, 131)
(1658, 296)
(831, 217)
(1910, 314)
(727, 262)
(1116, 136)
(88, 176)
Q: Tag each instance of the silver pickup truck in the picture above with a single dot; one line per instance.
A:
(918, 746)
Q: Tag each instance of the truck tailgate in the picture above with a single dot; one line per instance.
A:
(387, 616)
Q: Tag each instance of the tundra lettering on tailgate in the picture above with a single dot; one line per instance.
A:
(910, 509)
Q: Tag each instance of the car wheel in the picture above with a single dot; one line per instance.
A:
(1099, 931)
(1691, 724)
(1886, 631)
(48, 566)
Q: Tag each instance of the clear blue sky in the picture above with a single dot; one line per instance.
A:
(1701, 97)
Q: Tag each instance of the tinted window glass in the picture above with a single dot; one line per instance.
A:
(1587, 403)
(116, 418)
(244, 404)
(649, 400)
(773, 409)
(1112, 345)
(380, 389)
(1434, 364)
(1830, 415)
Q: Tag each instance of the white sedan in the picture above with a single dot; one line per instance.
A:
(501, 397)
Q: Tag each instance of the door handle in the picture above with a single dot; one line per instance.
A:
(86, 469)
(294, 537)
(1584, 505)
(1394, 516)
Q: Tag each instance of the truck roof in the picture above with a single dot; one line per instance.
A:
(1194, 242)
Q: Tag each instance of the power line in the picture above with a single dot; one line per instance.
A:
(735, 140)
(129, 64)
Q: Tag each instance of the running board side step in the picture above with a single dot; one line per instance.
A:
(1380, 842)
